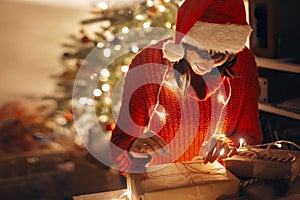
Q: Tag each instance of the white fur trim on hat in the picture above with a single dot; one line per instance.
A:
(219, 37)
(173, 51)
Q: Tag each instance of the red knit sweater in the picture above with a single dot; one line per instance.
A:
(186, 120)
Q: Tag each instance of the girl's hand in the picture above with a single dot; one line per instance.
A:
(218, 148)
(149, 144)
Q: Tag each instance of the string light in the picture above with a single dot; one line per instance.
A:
(118, 47)
(161, 8)
(102, 5)
(93, 76)
(124, 68)
(107, 52)
(105, 87)
(135, 49)
(103, 118)
(82, 100)
(150, 3)
(168, 25)
(125, 30)
(147, 24)
(242, 141)
(97, 92)
(222, 152)
(100, 45)
(105, 73)
(139, 17)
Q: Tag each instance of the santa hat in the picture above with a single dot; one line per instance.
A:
(219, 25)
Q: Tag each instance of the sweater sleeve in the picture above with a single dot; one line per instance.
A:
(133, 116)
(248, 126)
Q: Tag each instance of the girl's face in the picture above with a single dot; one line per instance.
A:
(200, 64)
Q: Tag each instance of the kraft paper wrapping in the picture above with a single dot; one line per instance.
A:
(188, 181)
(247, 167)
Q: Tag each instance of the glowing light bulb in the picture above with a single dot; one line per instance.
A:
(107, 52)
(147, 24)
(167, 1)
(102, 5)
(124, 68)
(150, 3)
(93, 76)
(105, 87)
(221, 99)
(102, 118)
(125, 30)
(180, 3)
(139, 17)
(105, 73)
(168, 25)
(161, 114)
(118, 47)
(82, 100)
(153, 41)
(90, 101)
(135, 49)
(161, 8)
(279, 145)
(97, 92)
(241, 142)
(100, 45)
(222, 152)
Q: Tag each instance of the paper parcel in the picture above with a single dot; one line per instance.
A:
(192, 180)
(273, 164)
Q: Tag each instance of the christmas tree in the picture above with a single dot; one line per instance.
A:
(109, 32)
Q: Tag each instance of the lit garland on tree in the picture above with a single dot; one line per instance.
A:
(100, 30)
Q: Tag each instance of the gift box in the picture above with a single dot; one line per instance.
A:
(192, 180)
(269, 164)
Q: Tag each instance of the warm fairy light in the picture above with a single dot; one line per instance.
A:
(93, 76)
(102, 5)
(161, 114)
(124, 68)
(150, 3)
(180, 3)
(221, 99)
(147, 24)
(82, 100)
(153, 41)
(241, 142)
(278, 145)
(118, 47)
(167, 1)
(125, 30)
(97, 92)
(102, 118)
(161, 8)
(222, 152)
(105, 87)
(139, 17)
(135, 49)
(107, 52)
(105, 73)
(170, 83)
(90, 101)
(168, 25)
(100, 44)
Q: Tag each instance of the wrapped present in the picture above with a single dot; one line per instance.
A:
(271, 164)
(189, 181)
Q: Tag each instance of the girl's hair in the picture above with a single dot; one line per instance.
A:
(185, 72)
